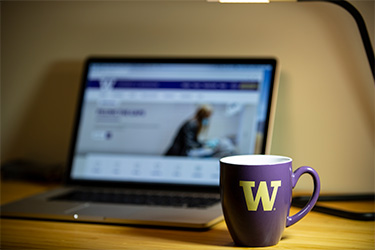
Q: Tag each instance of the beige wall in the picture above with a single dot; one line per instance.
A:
(325, 115)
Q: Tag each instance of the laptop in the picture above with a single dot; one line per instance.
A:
(148, 136)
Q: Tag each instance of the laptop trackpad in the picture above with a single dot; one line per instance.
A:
(101, 211)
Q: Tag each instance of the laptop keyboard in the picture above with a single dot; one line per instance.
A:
(169, 200)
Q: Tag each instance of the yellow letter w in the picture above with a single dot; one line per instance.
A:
(262, 193)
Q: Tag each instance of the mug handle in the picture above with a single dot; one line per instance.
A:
(314, 198)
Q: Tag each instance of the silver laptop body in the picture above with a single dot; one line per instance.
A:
(157, 127)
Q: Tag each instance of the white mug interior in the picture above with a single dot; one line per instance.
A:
(255, 160)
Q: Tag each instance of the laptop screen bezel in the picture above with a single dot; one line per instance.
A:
(213, 60)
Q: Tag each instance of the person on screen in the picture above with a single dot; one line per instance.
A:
(187, 136)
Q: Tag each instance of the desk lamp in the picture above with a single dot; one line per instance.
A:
(344, 4)
(302, 200)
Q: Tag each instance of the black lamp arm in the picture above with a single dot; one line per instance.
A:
(361, 26)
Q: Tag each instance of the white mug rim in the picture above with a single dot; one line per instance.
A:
(255, 160)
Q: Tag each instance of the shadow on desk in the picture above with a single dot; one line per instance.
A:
(217, 236)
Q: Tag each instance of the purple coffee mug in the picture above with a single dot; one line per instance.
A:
(256, 194)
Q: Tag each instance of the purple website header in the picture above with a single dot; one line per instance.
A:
(193, 85)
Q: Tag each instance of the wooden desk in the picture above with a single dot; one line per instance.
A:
(315, 231)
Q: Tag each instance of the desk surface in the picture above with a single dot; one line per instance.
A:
(315, 231)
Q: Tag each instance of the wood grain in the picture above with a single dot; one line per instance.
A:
(315, 231)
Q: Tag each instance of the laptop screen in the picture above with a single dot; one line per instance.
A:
(168, 121)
